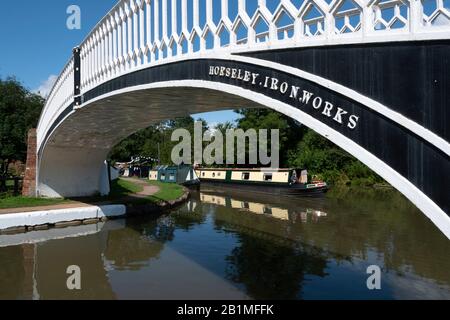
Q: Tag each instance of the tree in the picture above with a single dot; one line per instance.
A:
(19, 111)
(154, 141)
(291, 132)
(322, 157)
(139, 144)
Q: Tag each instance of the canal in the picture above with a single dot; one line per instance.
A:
(223, 244)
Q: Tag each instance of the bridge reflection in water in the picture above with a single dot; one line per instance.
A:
(226, 245)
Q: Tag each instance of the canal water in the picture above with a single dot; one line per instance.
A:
(224, 244)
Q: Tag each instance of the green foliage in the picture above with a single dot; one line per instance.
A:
(329, 162)
(153, 142)
(317, 154)
(359, 174)
(25, 202)
(19, 112)
(139, 144)
(257, 119)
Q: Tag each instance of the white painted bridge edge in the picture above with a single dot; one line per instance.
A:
(144, 33)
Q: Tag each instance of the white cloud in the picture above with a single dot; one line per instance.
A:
(213, 125)
(212, 128)
(46, 86)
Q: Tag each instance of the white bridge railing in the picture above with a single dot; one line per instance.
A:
(59, 98)
(142, 33)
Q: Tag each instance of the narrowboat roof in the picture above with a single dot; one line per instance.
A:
(167, 167)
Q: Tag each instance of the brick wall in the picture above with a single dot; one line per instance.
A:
(29, 182)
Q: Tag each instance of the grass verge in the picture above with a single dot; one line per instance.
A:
(25, 202)
(167, 191)
(121, 188)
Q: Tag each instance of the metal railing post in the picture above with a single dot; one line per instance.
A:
(77, 76)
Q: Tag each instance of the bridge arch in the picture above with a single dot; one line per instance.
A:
(375, 85)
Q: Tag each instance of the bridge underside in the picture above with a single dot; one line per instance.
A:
(72, 163)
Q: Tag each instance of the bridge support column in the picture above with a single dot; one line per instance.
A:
(29, 181)
(67, 172)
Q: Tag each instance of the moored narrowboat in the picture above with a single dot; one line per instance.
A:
(278, 181)
(184, 175)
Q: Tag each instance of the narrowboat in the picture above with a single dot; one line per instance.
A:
(274, 181)
(184, 175)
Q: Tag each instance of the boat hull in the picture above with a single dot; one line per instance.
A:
(192, 184)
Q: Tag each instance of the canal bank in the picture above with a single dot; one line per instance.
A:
(133, 197)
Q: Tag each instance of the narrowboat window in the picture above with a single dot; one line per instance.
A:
(268, 177)
(218, 174)
(203, 174)
(163, 177)
(267, 210)
(172, 177)
(246, 205)
(214, 174)
(246, 176)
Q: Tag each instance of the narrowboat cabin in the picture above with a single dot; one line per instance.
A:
(281, 181)
(184, 175)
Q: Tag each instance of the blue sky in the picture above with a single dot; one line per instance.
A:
(36, 43)
(35, 40)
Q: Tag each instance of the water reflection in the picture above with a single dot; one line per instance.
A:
(135, 247)
(13, 274)
(228, 245)
(268, 209)
(273, 270)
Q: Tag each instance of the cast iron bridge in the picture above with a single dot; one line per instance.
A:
(371, 76)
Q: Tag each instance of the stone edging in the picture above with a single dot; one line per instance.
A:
(42, 220)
